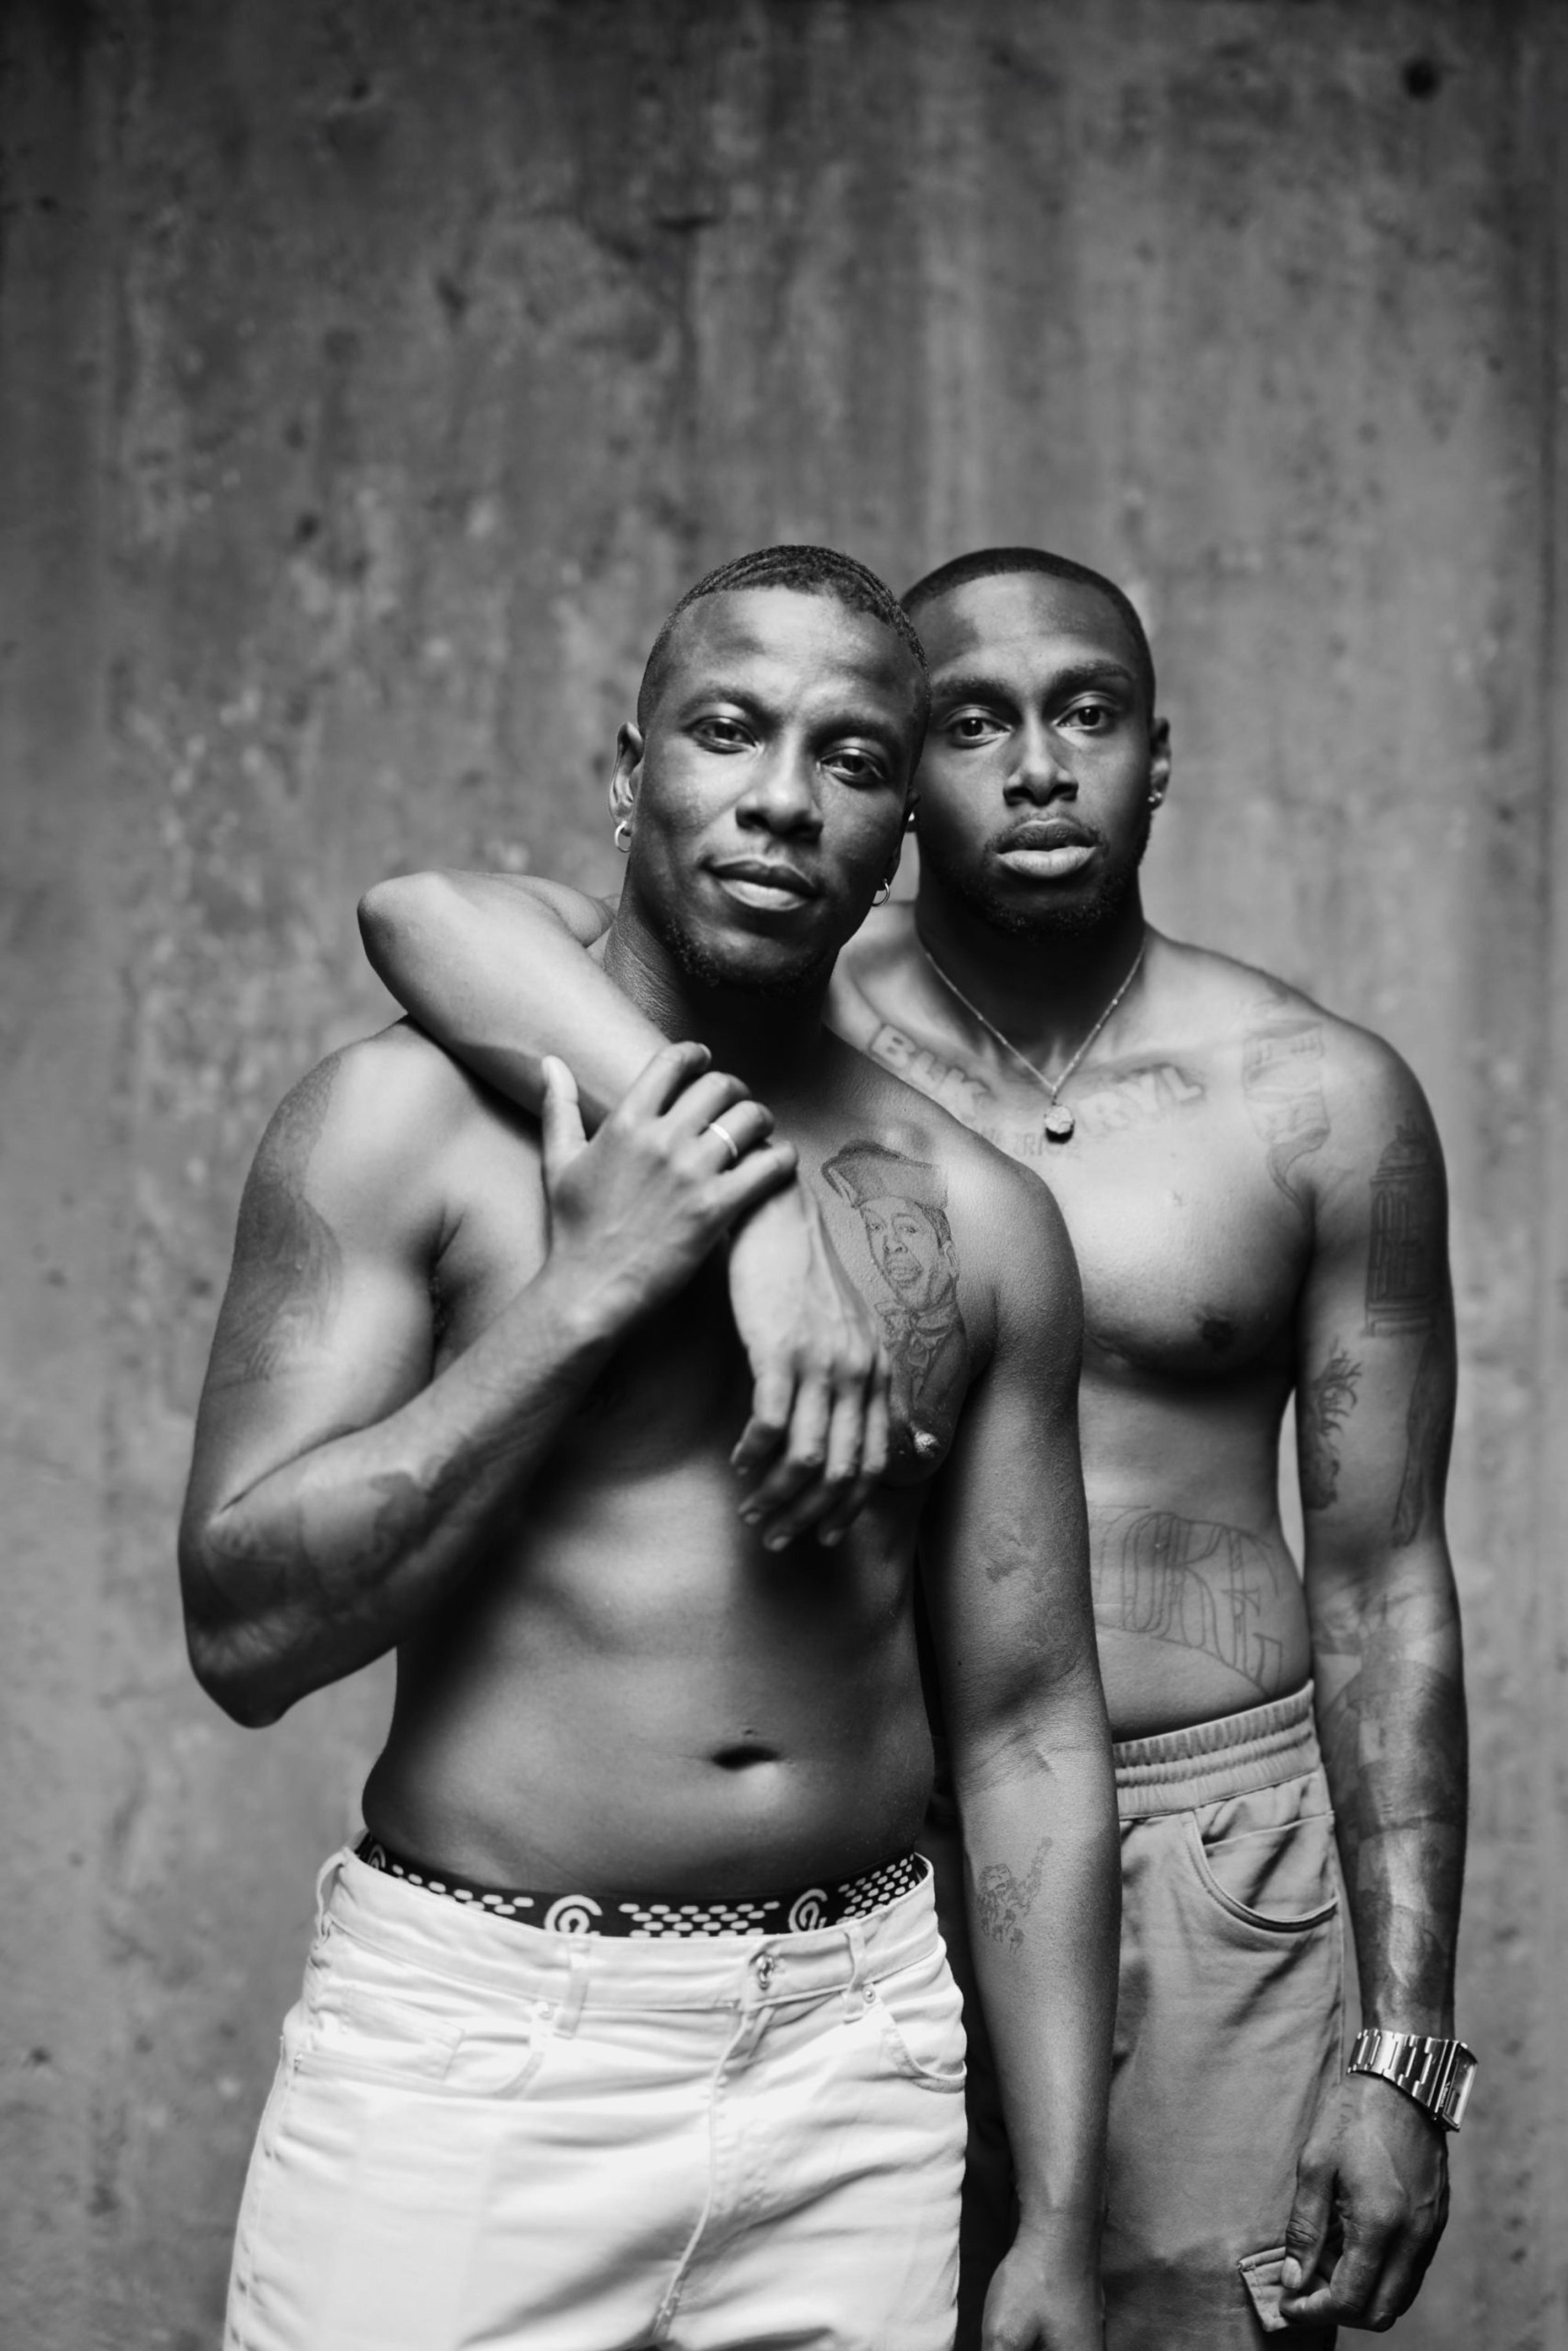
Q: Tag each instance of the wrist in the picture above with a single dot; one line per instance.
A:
(583, 1311)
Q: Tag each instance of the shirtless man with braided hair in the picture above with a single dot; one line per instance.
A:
(1255, 1193)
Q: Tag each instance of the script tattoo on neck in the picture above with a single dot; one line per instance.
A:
(287, 1267)
(1407, 1296)
(1281, 1081)
(1003, 1901)
(902, 1205)
(1192, 1583)
(1323, 1406)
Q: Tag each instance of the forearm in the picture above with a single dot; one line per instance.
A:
(1041, 1848)
(1391, 1708)
(500, 982)
(328, 1560)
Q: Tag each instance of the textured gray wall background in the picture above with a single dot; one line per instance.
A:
(372, 375)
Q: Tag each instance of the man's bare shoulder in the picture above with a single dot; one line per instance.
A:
(371, 1124)
(1368, 1092)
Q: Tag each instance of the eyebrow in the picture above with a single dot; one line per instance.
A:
(719, 689)
(972, 686)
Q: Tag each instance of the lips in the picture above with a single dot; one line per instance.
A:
(1049, 849)
(1048, 832)
(766, 883)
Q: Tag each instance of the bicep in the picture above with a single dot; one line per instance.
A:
(325, 1324)
(1005, 1540)
(1377, 1363)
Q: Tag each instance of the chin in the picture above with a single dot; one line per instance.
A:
(1058, 915)
(749, 966)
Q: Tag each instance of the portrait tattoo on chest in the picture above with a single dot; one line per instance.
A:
(1281, 1082)
(902, 1206)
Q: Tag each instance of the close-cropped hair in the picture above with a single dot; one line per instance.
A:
(994, 563)
(811, 571)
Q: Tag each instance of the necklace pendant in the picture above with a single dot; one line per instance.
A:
(1060, 1122)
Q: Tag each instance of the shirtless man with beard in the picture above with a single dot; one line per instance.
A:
(1255, 1195)
(629, 2022)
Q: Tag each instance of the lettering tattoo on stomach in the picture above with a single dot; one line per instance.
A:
(1192, 1583)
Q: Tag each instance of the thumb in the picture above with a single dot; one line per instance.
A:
(1306, 2231)
(562, 1121)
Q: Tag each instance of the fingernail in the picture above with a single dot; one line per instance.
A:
(827, 1541)
(1291, 2275)
(777, 1543)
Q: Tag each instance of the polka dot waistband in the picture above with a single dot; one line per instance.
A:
(638, 1916)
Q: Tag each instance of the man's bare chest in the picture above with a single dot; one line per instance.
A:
(1190, 1251)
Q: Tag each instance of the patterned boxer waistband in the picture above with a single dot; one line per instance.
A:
(639, 1918)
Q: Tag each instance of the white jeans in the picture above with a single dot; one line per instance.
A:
(481, 2133)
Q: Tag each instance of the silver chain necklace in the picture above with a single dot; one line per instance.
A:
(1060, 1121)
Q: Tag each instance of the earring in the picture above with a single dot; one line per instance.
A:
(883, 895)
(623, 834)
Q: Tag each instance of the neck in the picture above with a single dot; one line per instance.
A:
(1044, 992)
(767, 1040)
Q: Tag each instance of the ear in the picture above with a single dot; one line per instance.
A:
(1159, 761)
(628, 773)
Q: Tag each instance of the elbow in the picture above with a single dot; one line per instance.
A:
(248, 1692)
(389, 910)
(233, 1657)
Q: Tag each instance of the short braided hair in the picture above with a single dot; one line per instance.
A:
(811, 571)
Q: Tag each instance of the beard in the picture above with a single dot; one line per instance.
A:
(709, 964)
(1075, 918)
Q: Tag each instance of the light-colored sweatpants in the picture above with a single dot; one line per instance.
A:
(484, 2134)
(1230, 2029)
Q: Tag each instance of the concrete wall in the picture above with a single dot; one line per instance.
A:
(372, 374)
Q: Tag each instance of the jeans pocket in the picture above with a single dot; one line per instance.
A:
(920, 2012)
(372, 2035)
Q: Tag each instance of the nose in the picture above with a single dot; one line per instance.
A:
(1038, 771)
(782, 796)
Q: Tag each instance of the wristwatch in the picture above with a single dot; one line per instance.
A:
(1436, 2074)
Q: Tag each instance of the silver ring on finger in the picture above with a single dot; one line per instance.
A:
(716, 1126)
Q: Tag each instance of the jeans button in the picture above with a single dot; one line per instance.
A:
(766, 1963)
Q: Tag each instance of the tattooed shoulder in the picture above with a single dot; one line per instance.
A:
(1282, 1085)
(287, 1266)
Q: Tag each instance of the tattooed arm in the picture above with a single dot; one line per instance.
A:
(337, 1491)
(495, 968)
(1005, 1556)
(1374, 1408)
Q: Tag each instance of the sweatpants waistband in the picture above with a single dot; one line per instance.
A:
(1235, 1755)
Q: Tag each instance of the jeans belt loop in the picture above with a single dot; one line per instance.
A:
(857, 1991)
(574, 1996)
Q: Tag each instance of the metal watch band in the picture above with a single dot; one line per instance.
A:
(1436, 2074)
